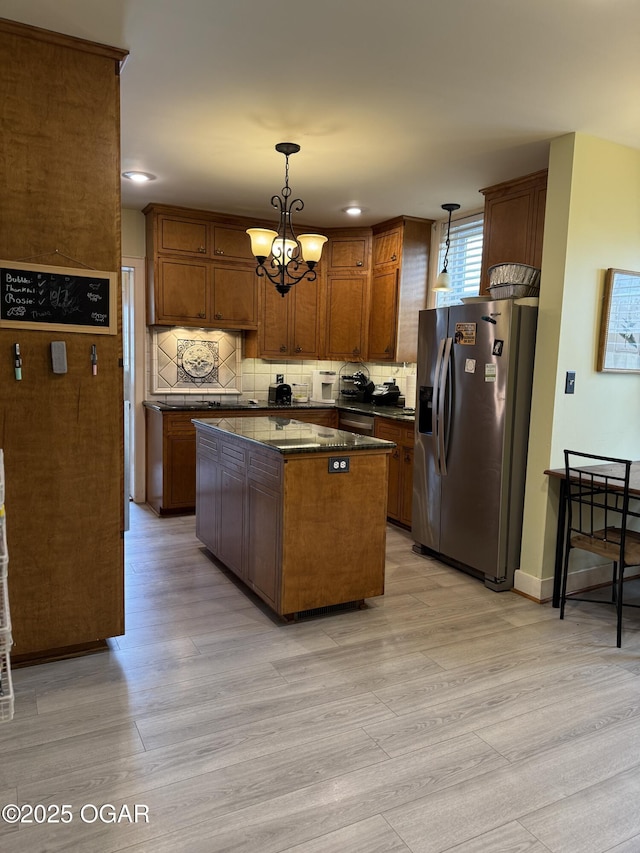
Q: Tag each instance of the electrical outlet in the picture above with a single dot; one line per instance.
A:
(570, 382)
(338, 464)
(279, 377)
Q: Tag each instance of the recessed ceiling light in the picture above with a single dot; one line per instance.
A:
(139, 177)
(353, 210)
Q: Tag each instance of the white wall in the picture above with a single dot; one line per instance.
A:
(592, 222)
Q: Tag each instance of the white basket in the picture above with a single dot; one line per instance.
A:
(6, 688)
(4, 551)
(5, 616)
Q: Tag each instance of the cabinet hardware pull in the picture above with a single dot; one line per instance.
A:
(387, 348)
(359, 263)
(201, 249)
(356, 351)
(407, 458)
(283, 348)
(218, 316)
(298, 349)
(396, 454)
(394, 257)
(201, 314)
(219, 252)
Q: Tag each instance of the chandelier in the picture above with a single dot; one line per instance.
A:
(282, 257)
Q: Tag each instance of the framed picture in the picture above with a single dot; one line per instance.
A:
(619, 349)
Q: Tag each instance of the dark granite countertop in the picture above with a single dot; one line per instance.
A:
(392, 412)
(287, 436)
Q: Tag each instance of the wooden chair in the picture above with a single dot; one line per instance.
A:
(597, 511)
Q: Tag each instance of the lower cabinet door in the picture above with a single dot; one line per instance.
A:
(263, 558)
(231, 515)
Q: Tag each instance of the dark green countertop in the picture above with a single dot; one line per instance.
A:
(286, 435)
(392, 412)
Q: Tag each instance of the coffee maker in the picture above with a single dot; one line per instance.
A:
(322, 382)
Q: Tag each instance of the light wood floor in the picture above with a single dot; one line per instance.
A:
(445, 717)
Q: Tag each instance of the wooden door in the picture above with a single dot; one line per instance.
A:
(231, 520)
(383, 316)
(264, 512)
(387, 247)
(183, 292)
(231, 243)
(180, 484)
(304, 326)
(348, 253)
(235, 303)
(345, 317)
(182, 235)
(273, 341)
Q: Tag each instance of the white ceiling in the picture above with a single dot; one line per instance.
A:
(398, 106)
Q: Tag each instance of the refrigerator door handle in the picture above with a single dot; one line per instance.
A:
(442, 391)
(435, 404)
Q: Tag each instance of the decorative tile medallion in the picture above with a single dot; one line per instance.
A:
(195, 361)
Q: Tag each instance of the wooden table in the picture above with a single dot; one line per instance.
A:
(560, 474)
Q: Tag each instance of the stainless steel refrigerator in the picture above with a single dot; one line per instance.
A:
(475, 372)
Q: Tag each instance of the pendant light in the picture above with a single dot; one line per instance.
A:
(443, 282)
(292, 258)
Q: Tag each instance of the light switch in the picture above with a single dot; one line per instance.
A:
(570, 382)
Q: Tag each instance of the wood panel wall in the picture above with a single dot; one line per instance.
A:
(62, 434)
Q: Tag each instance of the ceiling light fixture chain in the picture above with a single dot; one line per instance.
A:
(286, 250)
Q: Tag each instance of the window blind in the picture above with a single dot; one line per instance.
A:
(465, 258)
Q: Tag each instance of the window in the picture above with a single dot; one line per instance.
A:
(465, 258)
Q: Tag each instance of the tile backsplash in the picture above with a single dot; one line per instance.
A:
(186, 362)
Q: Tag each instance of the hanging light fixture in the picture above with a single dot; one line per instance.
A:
(443, 282)
(292, 258)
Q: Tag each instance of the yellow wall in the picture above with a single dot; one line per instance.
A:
(592, 223)
(133, 236)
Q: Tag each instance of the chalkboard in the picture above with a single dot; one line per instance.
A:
(57, 298)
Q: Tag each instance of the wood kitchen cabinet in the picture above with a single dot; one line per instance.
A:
(275, 486)
(289, 326)
(513, 223)
(398, 288)
(345, 312)
(346, 294)
(200, 271)
(171, 451)
(400, 485)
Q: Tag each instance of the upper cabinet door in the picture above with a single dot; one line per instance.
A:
(304, 331)
(345, 317)
(383, 317)
(183, 292)
(349, 253)
(513, 223)
(231, 244)
(387, 248)
(235, 297)
(183, 235)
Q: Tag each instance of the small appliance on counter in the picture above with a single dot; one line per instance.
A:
(322, 382)
(280, 394)
(386, 394)
(363, 387)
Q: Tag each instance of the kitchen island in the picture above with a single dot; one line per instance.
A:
(296, 510)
